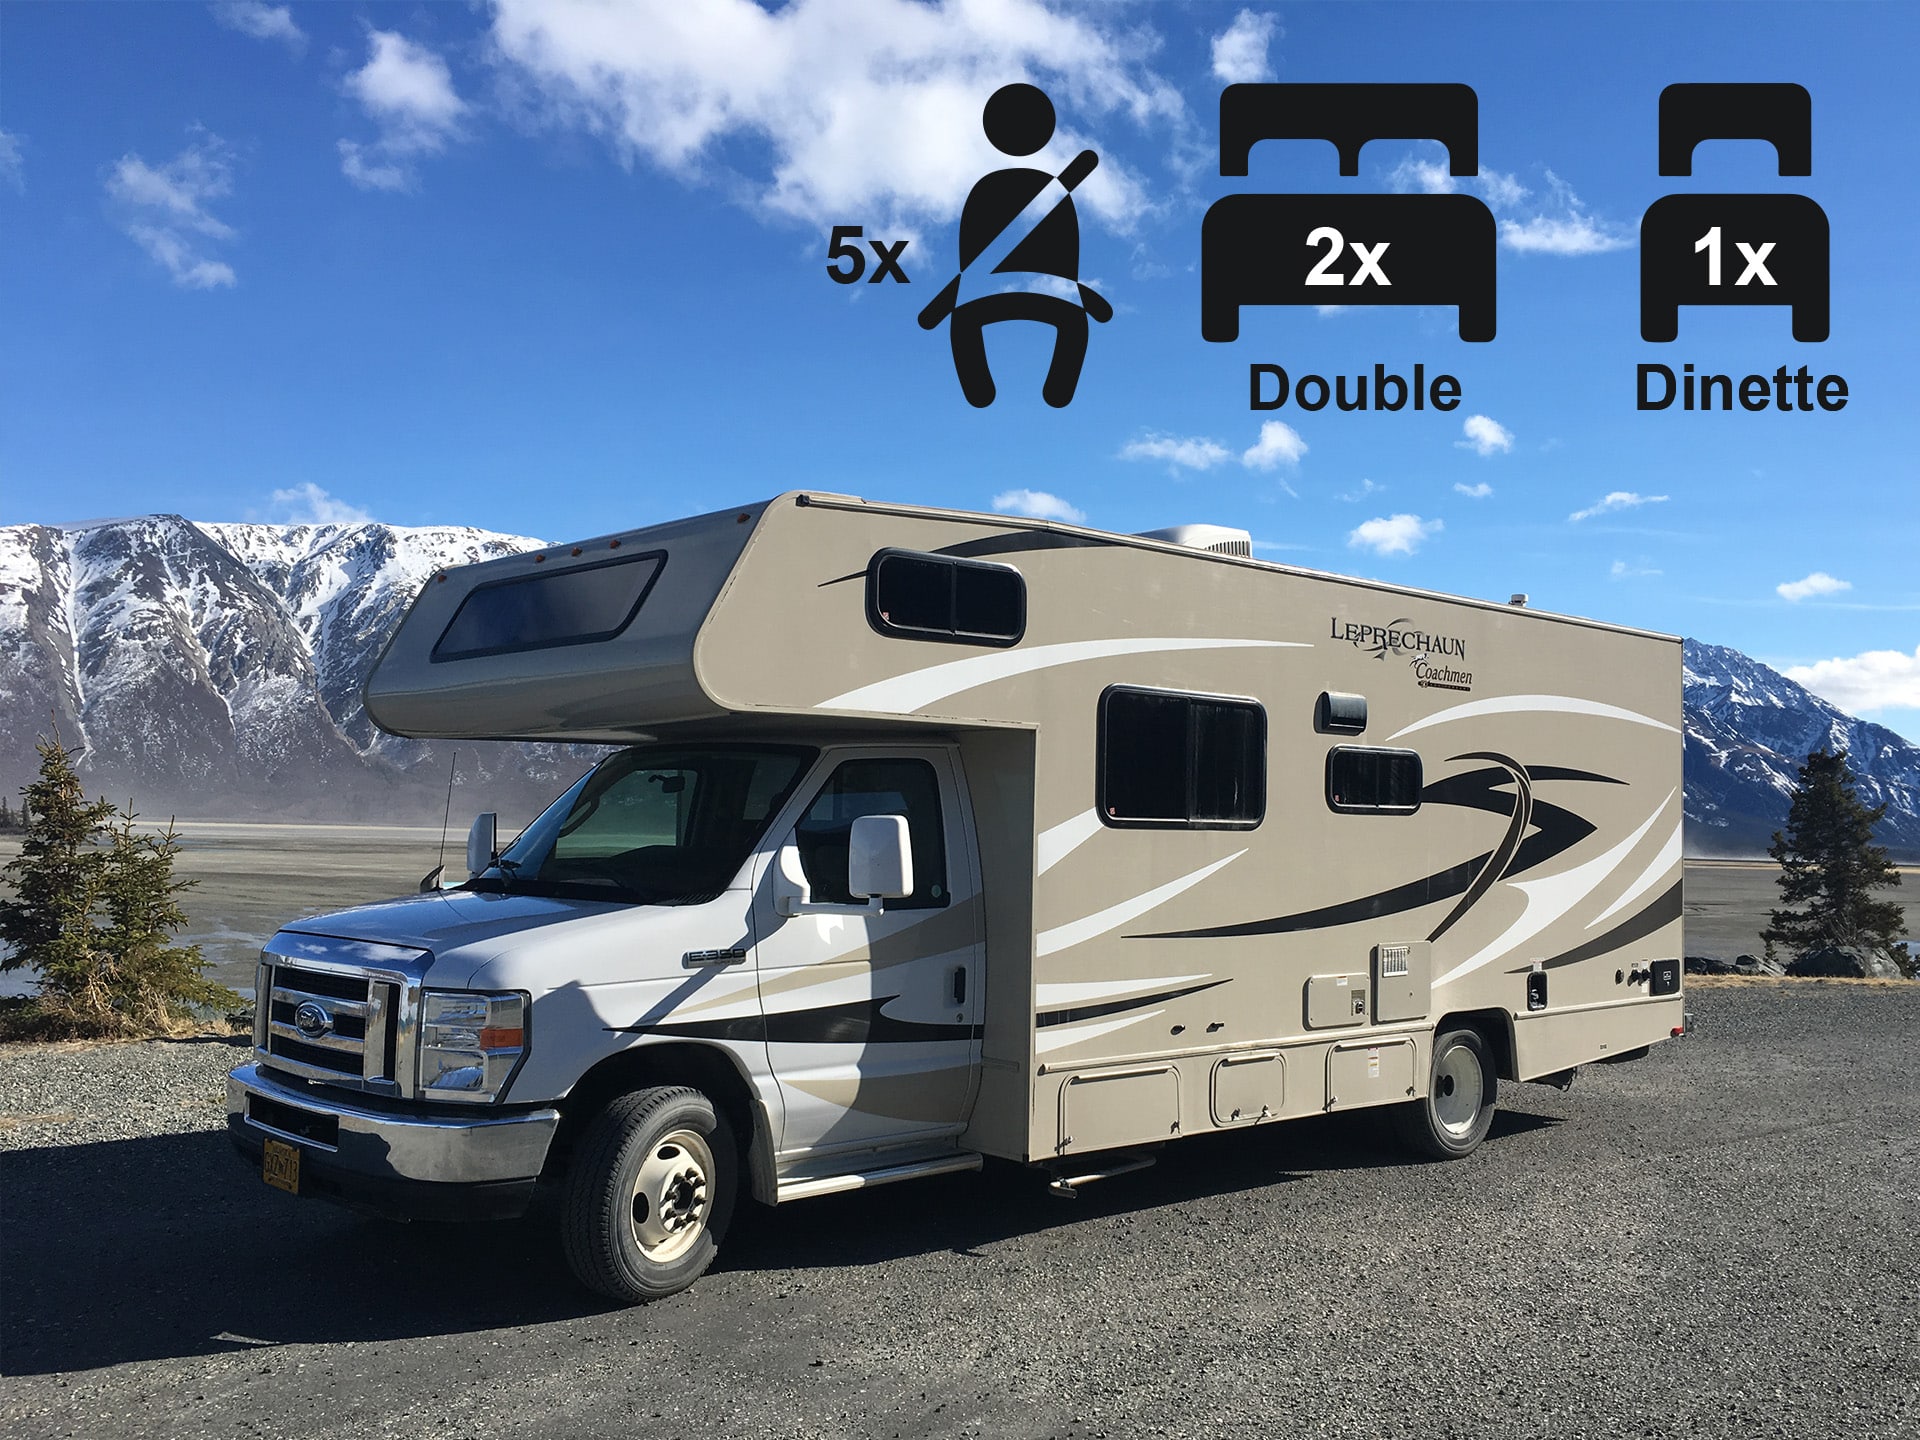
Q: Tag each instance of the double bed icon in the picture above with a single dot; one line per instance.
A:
(1348, 249)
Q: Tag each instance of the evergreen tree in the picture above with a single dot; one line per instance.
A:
(97, 920)
(49, 922)
(152, 980)
(1830, 867)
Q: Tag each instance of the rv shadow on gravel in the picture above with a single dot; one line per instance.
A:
(146, 1249)
(961, 1213)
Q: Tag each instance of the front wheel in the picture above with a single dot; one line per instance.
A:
(649, 1194)
(1458, 1109)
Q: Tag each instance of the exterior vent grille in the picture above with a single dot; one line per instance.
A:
(1393, 959)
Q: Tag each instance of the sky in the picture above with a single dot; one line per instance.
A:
(556, 268)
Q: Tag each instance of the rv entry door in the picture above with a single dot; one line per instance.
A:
(873, 1013)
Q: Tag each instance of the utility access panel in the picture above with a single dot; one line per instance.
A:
(1348, 249)
(1750, 249)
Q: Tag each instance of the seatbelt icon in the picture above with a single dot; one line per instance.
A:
(1008, 240)
(1031, 228)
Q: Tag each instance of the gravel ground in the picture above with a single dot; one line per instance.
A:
(1723, 1240)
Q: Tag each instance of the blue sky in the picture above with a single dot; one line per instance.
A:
(557, 268)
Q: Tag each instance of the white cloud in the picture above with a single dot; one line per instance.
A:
(1424, 174)
(1616, 500)
(1563, 227)
(1394, 534)
(869, 110)
(1623, 571)
(1501, 192)
(13, 165)
(1474, 492)
(1240, 51)
(1485, 436)
(1360, 492)
(308, 504)
(1194, 452)
(1279, 444)
(1325, 310)
(261, 21)
(1557, 224)
(1874, 680)
(164, 210)
(1039, 504)
(1818, 583)
(408, 91)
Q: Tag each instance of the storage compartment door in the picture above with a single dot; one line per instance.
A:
(1106, 1109)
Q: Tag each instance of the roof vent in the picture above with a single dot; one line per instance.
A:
(1518, 601)
(1218, 539)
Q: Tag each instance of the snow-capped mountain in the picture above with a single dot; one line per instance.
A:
(1748, 730)
(217, 668)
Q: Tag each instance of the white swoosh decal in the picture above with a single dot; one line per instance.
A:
(904, 694)
(1657, 870)
(1063, 839)
(1527, 704)
(1553, 896)
(1075, 932)
(1053, 1037)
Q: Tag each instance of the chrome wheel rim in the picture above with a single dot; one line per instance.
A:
(1459, 1090)
(672, 1196)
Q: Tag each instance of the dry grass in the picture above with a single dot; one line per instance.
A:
(1716, 982)
(57, 1117)
(29, 1020)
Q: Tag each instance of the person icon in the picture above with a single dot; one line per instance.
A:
(1019, 120)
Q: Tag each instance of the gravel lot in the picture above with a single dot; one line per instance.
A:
(1723, 1240)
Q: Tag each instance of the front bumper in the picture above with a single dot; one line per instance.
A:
(404, 1164)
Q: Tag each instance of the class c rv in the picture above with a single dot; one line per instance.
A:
(934, 837)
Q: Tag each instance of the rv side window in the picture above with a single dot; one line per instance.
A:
(1186, 760)
(875, 787)
(560, 607)
(1362, 781)
(936, 597)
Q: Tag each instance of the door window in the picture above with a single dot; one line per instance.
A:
(875, 787)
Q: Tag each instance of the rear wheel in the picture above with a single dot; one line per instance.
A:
(1458, 1109)
(649, 1194)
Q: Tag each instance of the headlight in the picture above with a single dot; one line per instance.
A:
(470, 1044)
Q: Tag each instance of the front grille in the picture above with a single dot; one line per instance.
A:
(351, 1025)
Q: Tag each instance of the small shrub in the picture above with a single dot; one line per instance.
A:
(94, 910)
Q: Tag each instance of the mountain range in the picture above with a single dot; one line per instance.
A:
(215, 670)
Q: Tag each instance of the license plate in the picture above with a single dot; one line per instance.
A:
(280, 1166)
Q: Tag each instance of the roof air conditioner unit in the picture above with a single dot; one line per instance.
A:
(1219, 539)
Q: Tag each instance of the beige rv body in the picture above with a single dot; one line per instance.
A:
(1144, 984)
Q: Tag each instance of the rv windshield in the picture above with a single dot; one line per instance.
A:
(652, 825)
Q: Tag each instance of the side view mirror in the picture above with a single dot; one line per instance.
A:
(880, 858)
(879, 868)
(483, 841)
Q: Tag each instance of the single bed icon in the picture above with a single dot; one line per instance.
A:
(1748, 249)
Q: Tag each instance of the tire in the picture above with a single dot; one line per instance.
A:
(649, 1194)
(1457, 1111)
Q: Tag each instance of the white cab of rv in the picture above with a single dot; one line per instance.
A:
(934, 836)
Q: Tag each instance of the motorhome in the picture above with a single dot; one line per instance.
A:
(935, 837)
